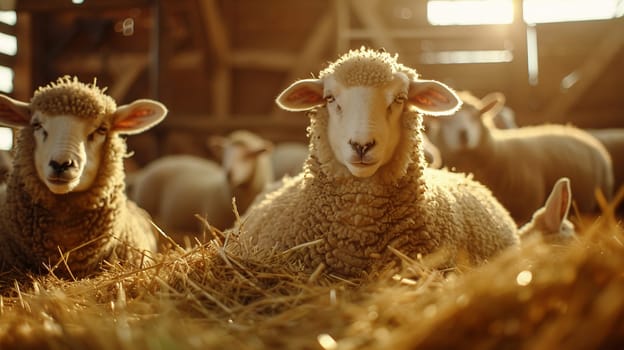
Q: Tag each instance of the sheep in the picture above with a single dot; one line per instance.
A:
(176, 188)
(613, 140)
(288, 158)
(550, 222)
(521, 165)
(365, 193)
(66, 192)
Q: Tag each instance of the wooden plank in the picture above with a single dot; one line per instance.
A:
(471, 32)
(124, 78)
(7, 60)
(217, 33)
(215, 29)
(311, 54)
(269, 60)
(22, 81)
(7, 29)
(589, 72)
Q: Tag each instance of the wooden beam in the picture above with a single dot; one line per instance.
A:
(367, 12)
(7, 29)
(217, 36)
(7, 60)
(22, 81)
(588, 73)
(343, 25)
(269, 60)
(125, 77)
(311, 54)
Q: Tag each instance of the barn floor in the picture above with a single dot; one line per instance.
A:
(540, 297)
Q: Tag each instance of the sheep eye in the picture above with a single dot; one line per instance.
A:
(102, 130)
(36, 125)
(329, 98)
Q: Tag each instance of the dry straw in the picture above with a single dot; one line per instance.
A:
(538, 297)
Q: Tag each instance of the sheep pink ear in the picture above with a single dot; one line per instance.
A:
(14, 113)
(432, 98)
(557, 205)
(492, 103)
(302, 95)
(138, 116)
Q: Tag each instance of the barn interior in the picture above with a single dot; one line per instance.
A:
(218, 65)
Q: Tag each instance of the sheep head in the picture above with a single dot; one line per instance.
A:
(465, 129)
(366, 93)
(70, 122)
(240, 152)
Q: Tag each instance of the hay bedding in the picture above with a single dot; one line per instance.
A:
(541, 297)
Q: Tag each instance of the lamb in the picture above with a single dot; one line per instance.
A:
(365, 193)
(176, 188)
(521, 165)
(66, 192)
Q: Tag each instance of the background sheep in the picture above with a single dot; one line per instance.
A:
(288, 158)
(521, 165)
(613, 140)
(176, 188)
(365, 187)
(66, 193)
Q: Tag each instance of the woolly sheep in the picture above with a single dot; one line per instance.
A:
(521, 165)
(364, 192)
(66, 192)
(550, 222)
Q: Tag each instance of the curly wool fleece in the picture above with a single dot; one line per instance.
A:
(94, 225)
(346, 224)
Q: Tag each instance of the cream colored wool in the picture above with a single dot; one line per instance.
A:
(92, 226)
(346, 224)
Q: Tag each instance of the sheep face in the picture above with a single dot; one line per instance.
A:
(365, 123)
(464, 131)
(364, 126)
(68, 150)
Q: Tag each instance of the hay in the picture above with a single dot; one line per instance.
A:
(538, 297)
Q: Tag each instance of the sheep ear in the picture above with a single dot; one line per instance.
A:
(492, 103)
(432, 98)
(14, 113)
(302, 95)
(558, 204)
(138, 116)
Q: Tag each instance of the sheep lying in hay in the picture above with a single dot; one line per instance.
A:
(365, 195)
(65, 201)
(521, 165)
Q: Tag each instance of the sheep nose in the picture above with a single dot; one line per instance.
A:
(360, 149)
(60, 168)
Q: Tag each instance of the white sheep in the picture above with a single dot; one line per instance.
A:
(364, 193)
(176, 188)
(613, 140)
(66, 192)
(550, 222)
(521, 165)
(288, 158)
